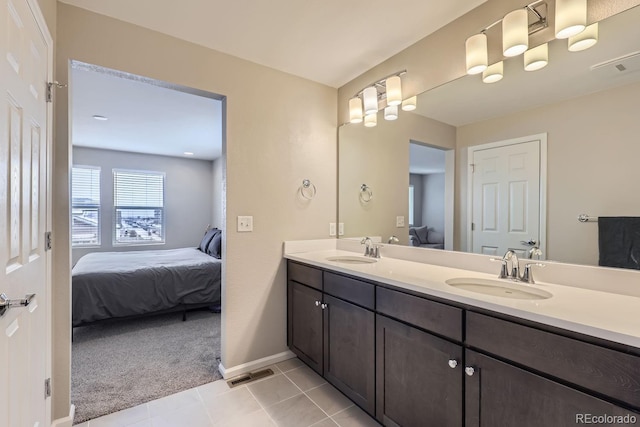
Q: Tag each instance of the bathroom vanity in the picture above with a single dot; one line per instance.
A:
(413, 351)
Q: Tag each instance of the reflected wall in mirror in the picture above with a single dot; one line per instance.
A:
(585, 102)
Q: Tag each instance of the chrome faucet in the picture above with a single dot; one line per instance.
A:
(511, 256)
(367, 242)
(393, 239)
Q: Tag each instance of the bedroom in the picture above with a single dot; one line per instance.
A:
(138, 230)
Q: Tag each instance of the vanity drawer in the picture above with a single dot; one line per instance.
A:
(432, 316)
(352, 290)
(602, 370)
(304, 274)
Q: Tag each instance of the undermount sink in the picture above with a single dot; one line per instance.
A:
(499, 288)
(346, 259)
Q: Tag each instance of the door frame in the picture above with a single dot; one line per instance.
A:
(48, 39)
(542, 137)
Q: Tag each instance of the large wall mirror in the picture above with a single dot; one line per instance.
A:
(578, 119)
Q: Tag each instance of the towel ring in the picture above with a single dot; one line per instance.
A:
(307, 189)
(366, 195)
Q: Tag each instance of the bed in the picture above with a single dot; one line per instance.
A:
(121, 284)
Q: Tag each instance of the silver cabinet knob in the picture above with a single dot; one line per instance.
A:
(469, 371)
(453, 363)
(324, 306)
(317, 303)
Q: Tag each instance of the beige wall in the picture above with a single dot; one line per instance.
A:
(280, 129)
(379, 157)
(440, 57)
(593, 152)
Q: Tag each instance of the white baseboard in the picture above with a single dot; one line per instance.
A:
(234, 371)
(66, 421)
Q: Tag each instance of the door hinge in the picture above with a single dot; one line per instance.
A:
(473, 226)
(47, 388)
(473, 167)
(48, 244)
(50, 85)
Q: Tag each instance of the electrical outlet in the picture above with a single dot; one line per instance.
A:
(245, 223)
(332, 229)
(341, 229)
(399, 221)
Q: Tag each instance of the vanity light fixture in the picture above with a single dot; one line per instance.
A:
(515, 32)
(536, 58)
(571, 17)
(386, 91)
(477, 56)
(394, 90)
(391, 112)
(493, 73)
(355, 110)
(370, 97)
(585, 39)
(370, 120)
(410, 104)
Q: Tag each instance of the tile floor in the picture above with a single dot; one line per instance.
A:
(295, 396)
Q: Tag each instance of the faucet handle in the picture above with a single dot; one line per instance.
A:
(527, 276)
(375, 252)
(503, 270)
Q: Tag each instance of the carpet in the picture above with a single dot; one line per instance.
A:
(119, 364)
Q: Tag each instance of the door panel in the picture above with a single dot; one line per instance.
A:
(506, 197)
(349, 351)
(499, 394)
(305, 324)
(416, 386)
(24, 66)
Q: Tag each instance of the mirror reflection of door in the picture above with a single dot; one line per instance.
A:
(508, 195)
(427, 167)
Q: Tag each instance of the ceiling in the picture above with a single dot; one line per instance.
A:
(327, 41)
(568, 75)
(425, 160)
(143, 117)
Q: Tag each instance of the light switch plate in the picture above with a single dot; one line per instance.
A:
(399, 221)
(341, 229)
(332, 229)
(245, 223)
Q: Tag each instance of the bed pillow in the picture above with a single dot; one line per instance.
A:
(215, 245)
(206, 239)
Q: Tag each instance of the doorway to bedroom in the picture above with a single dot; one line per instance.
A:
(147, 215)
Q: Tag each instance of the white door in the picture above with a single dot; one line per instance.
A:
(506, 202)
(25, 55)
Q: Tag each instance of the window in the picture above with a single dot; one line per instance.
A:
(138, 198)
(411, 202)
(85, 206)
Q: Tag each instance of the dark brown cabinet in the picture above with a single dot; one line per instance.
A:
(305, 324)
(499, 394)
(411, 361)
(349, 350)
(334, 331)
(419, 377)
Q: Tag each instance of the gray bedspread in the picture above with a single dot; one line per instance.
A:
(120, 284)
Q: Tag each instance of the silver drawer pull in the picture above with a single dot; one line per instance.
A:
(453, 363)
(324, 306)
(469, 371)
(6, 303)
(317, 303)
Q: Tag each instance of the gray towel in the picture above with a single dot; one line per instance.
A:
(619, 242)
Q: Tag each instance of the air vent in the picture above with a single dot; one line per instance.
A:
(247, 378)
(615, 67)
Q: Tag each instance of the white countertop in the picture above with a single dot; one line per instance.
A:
(610, 316)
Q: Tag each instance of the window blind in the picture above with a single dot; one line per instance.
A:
(85, 206)
(139, 206)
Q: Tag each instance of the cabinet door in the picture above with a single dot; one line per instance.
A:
(416, 385)
(499, 394)
(305, 324)
(349, 351)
